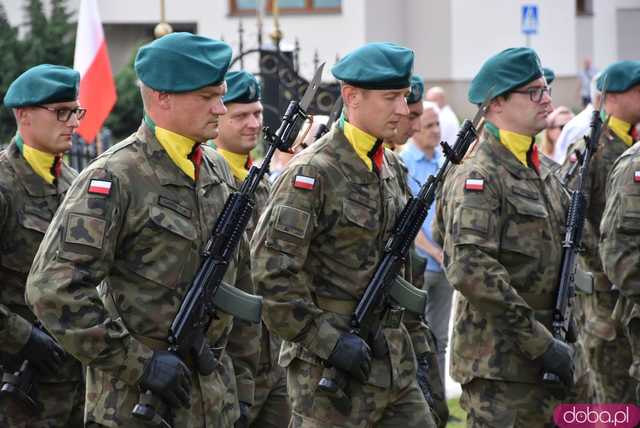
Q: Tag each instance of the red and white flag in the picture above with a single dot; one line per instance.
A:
(91, 59)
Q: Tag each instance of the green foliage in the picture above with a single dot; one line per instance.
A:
(47, 40)
(127, 113)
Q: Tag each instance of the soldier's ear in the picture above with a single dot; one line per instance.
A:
(23, 116)
(351, 96)
(163, 99)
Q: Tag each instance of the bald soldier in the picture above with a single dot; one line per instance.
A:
(607, 347)
(33, 182)
(619, 360)
(502, 247)
(316, 248)
(127, 241)
(240, 130)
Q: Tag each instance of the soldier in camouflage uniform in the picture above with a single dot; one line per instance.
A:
(126, 244)
(607, 347)
(33, 181)
(502, 249)
(240, 130)
(619, 235)
(317, 245)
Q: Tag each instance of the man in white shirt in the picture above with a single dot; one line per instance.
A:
(449, 123)
(577, 127)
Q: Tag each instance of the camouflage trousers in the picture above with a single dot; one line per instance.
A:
(500, 404)
(63, 408)
(608, 351)
(372, 406)
(271, 402)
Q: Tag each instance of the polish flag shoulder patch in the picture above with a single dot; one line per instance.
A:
(474, 184)
(100, 187)
(636, 176)
(303, 182)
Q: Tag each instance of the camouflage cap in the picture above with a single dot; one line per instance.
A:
(504, 72)
(620, 76)
(242, 87)
(43, 84)
(182, 62)
(417, 89)
(376, 66)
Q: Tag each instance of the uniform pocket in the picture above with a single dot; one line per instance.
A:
(524, 228)
(164, 246)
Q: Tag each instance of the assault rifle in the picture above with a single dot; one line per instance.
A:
(571, 246)
(385, 288)
(208, 293)
(333, 116)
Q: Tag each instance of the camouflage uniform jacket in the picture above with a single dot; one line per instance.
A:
(609, 148)
(318, 246)
(27, 205)
(620, 225)
(141, 245)
(502, 245)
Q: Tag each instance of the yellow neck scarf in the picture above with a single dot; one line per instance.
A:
(361, 141)
(237, 163)
(621, 129)
(41, 162)
(177, 147)
(517, 144)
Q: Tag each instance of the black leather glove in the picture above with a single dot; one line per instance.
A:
(422, 377)
(558, 359)
(243, 421)
(43, 352)
(352, 355)
(168, 377)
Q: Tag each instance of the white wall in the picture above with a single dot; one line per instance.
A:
(483, 28)
(429, 35)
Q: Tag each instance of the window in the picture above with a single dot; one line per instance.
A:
(584, 7)
(248, 7)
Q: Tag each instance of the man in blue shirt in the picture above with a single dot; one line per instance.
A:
(423, 158)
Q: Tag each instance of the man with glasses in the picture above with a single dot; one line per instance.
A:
(33, 182)
(607, 347)
(128, 240)
(502, 251)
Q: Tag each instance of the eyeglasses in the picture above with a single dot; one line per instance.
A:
(535, 92)
(63, 114)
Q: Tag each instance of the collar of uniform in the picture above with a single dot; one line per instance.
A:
(517, 144)
(350, 163)
(41, 162)
(503, 156)
(32, 182)
(177, 146)
(163, 166)
(237, 163)
(361, 142)
(622, 130)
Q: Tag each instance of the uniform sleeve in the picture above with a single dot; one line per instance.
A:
(243, 345)
(279, 250)
(472, 243)
(14, 330)
(620, 232)
(74, 257)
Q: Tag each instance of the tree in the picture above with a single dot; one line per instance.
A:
(46, 41)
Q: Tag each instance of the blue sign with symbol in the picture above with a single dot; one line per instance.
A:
(529, 22)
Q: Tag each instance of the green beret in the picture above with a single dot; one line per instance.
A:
(182, 62)
(508, 70)
(417, 90)
(43, 84)
(242, 87)
(620, 76)
(548, 74)
(376, 66)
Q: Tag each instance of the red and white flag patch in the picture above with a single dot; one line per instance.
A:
(302, 182)
(475, 184)
(100, 187)
(636, 176)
